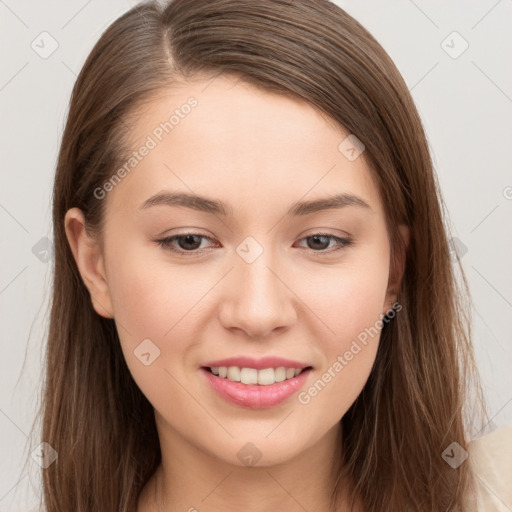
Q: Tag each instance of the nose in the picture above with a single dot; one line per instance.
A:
(258, 298)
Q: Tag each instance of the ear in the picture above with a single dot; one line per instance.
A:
(397, 267)
(89, 260)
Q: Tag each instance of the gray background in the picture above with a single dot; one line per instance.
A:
(465, 100)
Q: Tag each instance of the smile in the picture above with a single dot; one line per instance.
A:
(265, 377)
(255, 388)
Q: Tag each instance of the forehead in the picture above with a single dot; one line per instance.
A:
(226, 138)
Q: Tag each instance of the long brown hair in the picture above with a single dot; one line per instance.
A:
(411, 407)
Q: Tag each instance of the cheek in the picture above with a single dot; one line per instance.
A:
(347, 299)
(151, 299)
(335, 387)
(349, 303)
(163, 303)
(155, 318)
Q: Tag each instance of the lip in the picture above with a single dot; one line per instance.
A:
(258, 364)
(255, 396)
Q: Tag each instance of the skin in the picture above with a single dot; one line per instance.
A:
(259, 153)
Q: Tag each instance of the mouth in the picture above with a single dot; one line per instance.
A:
(256, 388)
(254, 376)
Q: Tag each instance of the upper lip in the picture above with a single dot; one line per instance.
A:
(258, 364)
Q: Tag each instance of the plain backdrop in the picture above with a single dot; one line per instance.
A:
(452, 55)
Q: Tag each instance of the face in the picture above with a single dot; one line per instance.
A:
(256, 270)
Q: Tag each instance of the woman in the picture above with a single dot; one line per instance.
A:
(254, 304)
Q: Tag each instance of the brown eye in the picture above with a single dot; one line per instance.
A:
(186, 244)
(189, 242)
(319, 242)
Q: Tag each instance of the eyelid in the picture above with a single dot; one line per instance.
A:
(343, 242)
(166, 241)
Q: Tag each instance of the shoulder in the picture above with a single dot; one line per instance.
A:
(490, 457)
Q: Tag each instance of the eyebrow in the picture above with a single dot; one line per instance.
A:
(216, 207)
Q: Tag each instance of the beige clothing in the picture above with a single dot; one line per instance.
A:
(490, 457)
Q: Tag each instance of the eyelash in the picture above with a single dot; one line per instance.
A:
(165, 243)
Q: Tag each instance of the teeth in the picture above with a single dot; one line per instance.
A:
(252, 376)
(248, 376)
(266, 377)
(280, 374)
(234, 373)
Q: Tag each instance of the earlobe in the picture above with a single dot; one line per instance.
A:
(89, 260)
(397, 267)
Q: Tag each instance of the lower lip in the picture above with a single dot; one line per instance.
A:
(255, 396)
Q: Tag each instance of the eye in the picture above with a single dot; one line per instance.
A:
(319, 242)
(189, 244)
